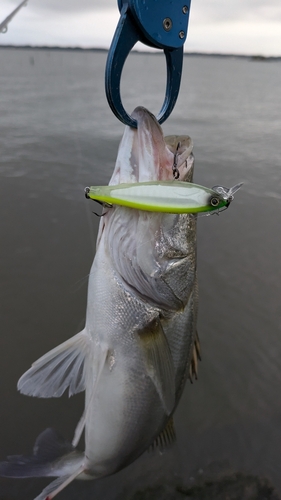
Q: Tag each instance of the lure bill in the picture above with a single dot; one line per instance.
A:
(176, 197)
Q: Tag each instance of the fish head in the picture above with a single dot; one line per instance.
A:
(151, 251)
(146, 155)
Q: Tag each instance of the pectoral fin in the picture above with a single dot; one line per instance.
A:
(159, 363)
(61, 368)
(97, 367)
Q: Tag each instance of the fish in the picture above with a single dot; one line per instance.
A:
(140, 342)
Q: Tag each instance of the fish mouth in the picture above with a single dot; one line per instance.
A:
(146, 155)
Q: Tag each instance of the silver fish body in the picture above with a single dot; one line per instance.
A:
(149, 347)
(144, 290)
(134, 354)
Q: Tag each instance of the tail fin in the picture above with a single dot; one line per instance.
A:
(52, 456)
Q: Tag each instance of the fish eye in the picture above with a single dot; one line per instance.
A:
(214, 201)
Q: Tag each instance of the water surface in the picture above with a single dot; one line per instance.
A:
(57, 135)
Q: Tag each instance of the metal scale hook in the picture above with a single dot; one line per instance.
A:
(162, 24)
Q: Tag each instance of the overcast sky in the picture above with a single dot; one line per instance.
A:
(223, 26)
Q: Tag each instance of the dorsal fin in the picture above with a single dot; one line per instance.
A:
(196, 355)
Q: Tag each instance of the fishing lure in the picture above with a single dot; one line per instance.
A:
(164, 196)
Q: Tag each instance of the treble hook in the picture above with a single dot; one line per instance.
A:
(161, 25)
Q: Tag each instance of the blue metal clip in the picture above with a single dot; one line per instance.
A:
(161, 24)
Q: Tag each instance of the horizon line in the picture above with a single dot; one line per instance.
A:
(259, 57)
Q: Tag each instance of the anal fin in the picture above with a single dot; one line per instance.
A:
(159, 363)
(166, 438)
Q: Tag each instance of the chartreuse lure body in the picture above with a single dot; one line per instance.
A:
(160, 196)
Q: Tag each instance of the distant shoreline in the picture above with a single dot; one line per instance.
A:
(256, 57)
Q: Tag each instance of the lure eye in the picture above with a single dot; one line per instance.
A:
(214, 201)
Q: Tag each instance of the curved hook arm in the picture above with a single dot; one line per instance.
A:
(126, 36)
(174, 60)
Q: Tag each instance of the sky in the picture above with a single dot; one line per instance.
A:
(222, 26)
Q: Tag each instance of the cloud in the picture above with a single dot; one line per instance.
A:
(240, 10)
(235, 38)
(84, 29)
(204, 10)
(70, 6)
(241, 27)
